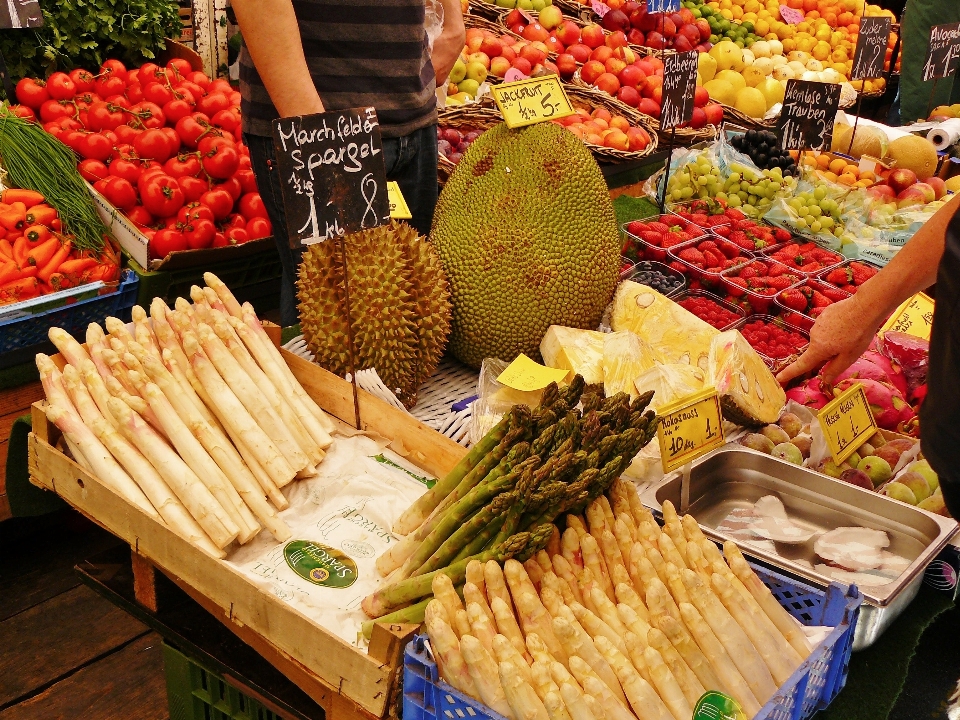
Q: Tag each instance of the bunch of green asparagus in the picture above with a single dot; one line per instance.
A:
(500, 501)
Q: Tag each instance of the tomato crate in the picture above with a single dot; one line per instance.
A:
(22, 337)
(811, 687)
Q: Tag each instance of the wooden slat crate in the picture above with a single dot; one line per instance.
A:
(14, 402)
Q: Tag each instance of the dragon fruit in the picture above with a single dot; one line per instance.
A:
(888, 406)
(892, 369)
(918, 395)
(911, 353)
(810, 394)
(865, 369)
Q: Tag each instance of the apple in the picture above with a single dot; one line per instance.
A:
(701, 97)
(882, 191)
(901, 178)
(550, 68)
(554, 45)
(459, 72)
(619, 121)
(714, 113)
(591, 70)
(627, 54)
(615, 20)
(592, 36)
(523, 65)
(608, 83)
(508, 53)
(535, 31)
(691, 32)
(630, 6)
(629, 96)
(473, 43)
(912, 195)
(699, 118)
(649, 21)
(593, 138)
(602, 54)
(476, 71)
(533, 54)
(478, 57)
(595, 127)
(639, 138)
(704, 27)
(617, 140)
(567, 65)
(938, 185)
(616, 39)
(655, 40)
(685, 15)
(614, 65)
(668, 28)
(579, 51)
(631, 76)
(656, 94)
(636, 37)
(682, 44)
(514, 17)
(636, 16)
(928, 192)
(491, 47)
(568, 32)
(649, 107)
(601, 113)
(550, 17)
(518, 28)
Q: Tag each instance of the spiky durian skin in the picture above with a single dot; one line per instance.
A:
(528, 238)
(399, 306)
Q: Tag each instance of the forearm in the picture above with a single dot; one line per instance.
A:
(447, 47)
(272, 36)
(911, 270)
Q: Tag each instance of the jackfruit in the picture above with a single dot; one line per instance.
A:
(527, 235)
(625, 357)
(749, 393)
(399, 306)
(678, 335)
(670, 383)
(579, 351)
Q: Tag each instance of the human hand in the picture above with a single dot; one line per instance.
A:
(840, 335)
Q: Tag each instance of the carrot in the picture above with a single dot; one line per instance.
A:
(9, 271)
(14, 218)
(41, 254)
(3, 232)
(6, 249)
(53, 265)
(36, 234)
(41, 215)
(77, 266)
(104, 272)
(27, 197)
(17, 290)
(59, 281)
(20, 248)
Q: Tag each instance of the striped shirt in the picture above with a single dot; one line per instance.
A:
(360, 53)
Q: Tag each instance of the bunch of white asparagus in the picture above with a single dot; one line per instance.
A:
(194, 416)
(616, 620)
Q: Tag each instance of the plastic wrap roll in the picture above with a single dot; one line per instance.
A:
(945, 134)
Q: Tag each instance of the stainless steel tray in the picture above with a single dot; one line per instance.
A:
(735, 477)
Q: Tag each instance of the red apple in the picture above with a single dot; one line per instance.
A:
(913, 195)
(616, 39)
(535, 31)
(592, 36)
(523, 65)
(691, 32)
(608, 83)
(567, 65)
(591, 70)
(649, 107)
(928, 192)
(568, 32)
(639, 138)
(479, 57)
(550, 67)
(685, 15)
(554, 45)
(509, 53)
(627, 54)
(580, 52)
(514, 17)
(682, 44)
(901, 178)
(518, 28)
(619, 122)
(617, 139)
(631, 76)
(668, 27)
(499, 66)
(699, 118)
(636, 16)
(614, 65)
(701, 97)
(616, 20)
(714, 113)
(532, 54)
(492, 47)
(602, 54)
(655, 40)
(630, 6)
(656, 93)
(636, 37)
(649, 21)
(704, 27)
(938, 185)
(647, 66)
(629, 96)
(882, 191)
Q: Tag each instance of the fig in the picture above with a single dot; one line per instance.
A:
(791, 424)
(776, 434)
(756, 441)
(876, 468)
(858, 478)
(789, 452)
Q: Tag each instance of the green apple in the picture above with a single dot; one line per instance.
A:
(469, 87)
(476, 71)
(459, 71)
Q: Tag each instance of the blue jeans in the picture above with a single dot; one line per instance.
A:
(410, 160)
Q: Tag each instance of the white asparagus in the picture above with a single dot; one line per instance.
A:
(592, 559)
(177, 474)
(475, 575)
(611, 553)
(670, 552)
(560, 586)
(538, 649)
(505, 651)
(624, 535)
(586, 583)
(95, 342)
(607, 510)
(681, 639)
(518, 579)
(555, 706)
(641, 695)
(214, 301)
(632, 620)
(675, 583)
(561, 675)
(687, 680)
(657, 561)
(697, 562)
(541, 680)
(52, 381)
(522, 698)
(627, 595)
(659, 600)
(564, 570)
(495, 583)
(75, 453)
(592, 685)
(483, 672)
(673, 528)
(443, 590)
(666, 685)
(72, 351)
(199, 460)
(552, 601)
(472, 594)
(97, 389)
(118, 329)
(480, 626)
(595, 707)
(543, 559)
(534, 572)
(595, 626)
(570, 550)
(636, 645)
(596, 520)
(580, 644)
(226, 297)
(607, 611)
(534, 618)
(573, 700)
(507, 626)
(446, 648)
(639, 512)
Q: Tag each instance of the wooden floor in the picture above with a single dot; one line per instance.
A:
(65, 652)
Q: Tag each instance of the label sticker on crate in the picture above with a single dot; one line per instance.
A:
(528, 376)
(847, 423)
(714, 705)
(914, 317)
(533, 100)
(319, 564)
(690, 428)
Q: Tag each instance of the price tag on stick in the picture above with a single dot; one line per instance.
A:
(943, 55)
(332, 177)
(871, 48)
(914, 317)
(690, 428)
(847, 423)
(530, 101)
(679, 87)
(809, 111)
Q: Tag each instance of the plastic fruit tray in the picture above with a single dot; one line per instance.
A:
(709, 279)
(781, 361)
(648, 251)
(653, 266)
(739, 312)
(753, 301)
(800, 319)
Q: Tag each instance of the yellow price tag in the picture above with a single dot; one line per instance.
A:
(530, 101)
(914, 317)
(847, 423)
(398, 206)
(690, 428)
(526, 375)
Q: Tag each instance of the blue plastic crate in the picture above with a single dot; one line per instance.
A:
(811, 688)
(21, 338)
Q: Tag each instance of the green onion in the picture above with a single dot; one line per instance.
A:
(36, 160)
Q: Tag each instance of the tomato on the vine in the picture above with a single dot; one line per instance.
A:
(134, 93)
(120, 192)
(193, 187)
(221, 162)
(199, 233)
(126, 134)
(112, 66)
(194, 211)
(232, 186)
(108, 85)
(53, 128)
(94, 145)
(238, 235)
(127, 169)
(176, 109)
(140, 216)
(157, 93)
(180, 66)
(199, 78)
(258, 228)
(221, 240)
(213, 103)
(104, 116)
(251, 206)
(220, 86)
(191, 128)
(246, 178)
(71, 138)
(219, 201)
(133, 77)
(61, 87)
(161, 195)
(83, 80)
(92, 170)
(152, 144)
(187, 165)
(165, 242)
(227, 119)
(173, 140)
(23, 111)
(146, 115)
(234, 220)
(56, 109)
(32, 93)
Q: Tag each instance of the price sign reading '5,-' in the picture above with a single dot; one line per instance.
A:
(332, 177)
(847, 423)
(914, 317)
(690, 428)
(398, 206)
(530, 101)
(679, 86)
(809, 111)
(871, 48)
(944, 52)
(527, 376)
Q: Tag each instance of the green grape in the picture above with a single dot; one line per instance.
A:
(820, 193)
(815, 226)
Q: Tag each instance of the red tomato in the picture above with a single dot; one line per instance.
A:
(199, 234)
(120, 192)
(157, 93)
(238, 235)
(111, 136)
(148, 72)
(227, 119)
(176, 109)
(193, 188)
(198, 78)
(194, 211)
(161, 196)
(152, 144)
(232, 186)
(32, 93)
(23, 111)
(127, 169)
(246, 178)
(221, 162)
(134, 93)
(108, 85)
(146, 115)
(112, 66)
(258, 228)
(126, 135)
(56, 109)
(71, 138)
(219, 201)
(235, 98)
(251, 206)
(139, 216)
(92, 170)
(213, 103)
(83, 80)
(103, 116)
(61, 87)
(180, 66)
(220, 86)
(133, 77)
(173, 140)
(191, 128)
(234, 220)
(182, 165)
(171, 222)
(221, 240)
(53, 128)
(214, 140)
(100, 185)
(165, 242)
(94, 145)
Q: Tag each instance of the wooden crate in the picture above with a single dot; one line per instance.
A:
(14, 402)
(341, 678)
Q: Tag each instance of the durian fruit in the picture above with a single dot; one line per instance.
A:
(399, 306)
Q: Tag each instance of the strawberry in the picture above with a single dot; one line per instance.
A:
(740, 239)
(722, 230)
(713, 257)
(735, 214)
(658, 227)
(780, 282)
(833, 294)
(679, 267)
(700, 219)
(707, 245)
(820, 300)
(692, 256)
(840, 276)
(652, 237)
(781, 235)
(794, 299)
(739, 281)
(861, 273)
(750, 271)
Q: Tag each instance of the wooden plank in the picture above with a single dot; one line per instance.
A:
(144, 581)
(128, 684)
(20, 398)
(338, 664)
(55, 637)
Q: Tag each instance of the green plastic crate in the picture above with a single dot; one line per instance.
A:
(195, 693)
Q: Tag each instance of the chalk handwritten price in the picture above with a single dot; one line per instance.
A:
(871, 48)
(398, 206)
(809, 111)
(914, 317)
(679, 86)
(527, 376)
(847, 423)
(533, 100)
(690, 428)
(663, 6)
(944, 52)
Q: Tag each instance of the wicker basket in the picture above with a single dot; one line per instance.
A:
(472, 20)
(591, 98)
(487, 9)
(732, 114)
(476, 116)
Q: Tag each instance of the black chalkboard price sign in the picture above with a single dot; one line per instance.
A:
(871, 48)
(332, 174)
(679, 86)
(943, 53)
(809, 111)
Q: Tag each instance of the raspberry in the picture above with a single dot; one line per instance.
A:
(709, 311)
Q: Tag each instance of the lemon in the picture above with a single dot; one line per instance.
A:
(706, 66)
(748, 58)
(771, 90)
(821, 51)
(727, 55)
(953, 184)
(736, 80)
(721, 91)
(814, 65)
(762, 27)
(776, 47)
(751, 101)
(763, 65)
(752, 75)
(784, 73)
(800, 56)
